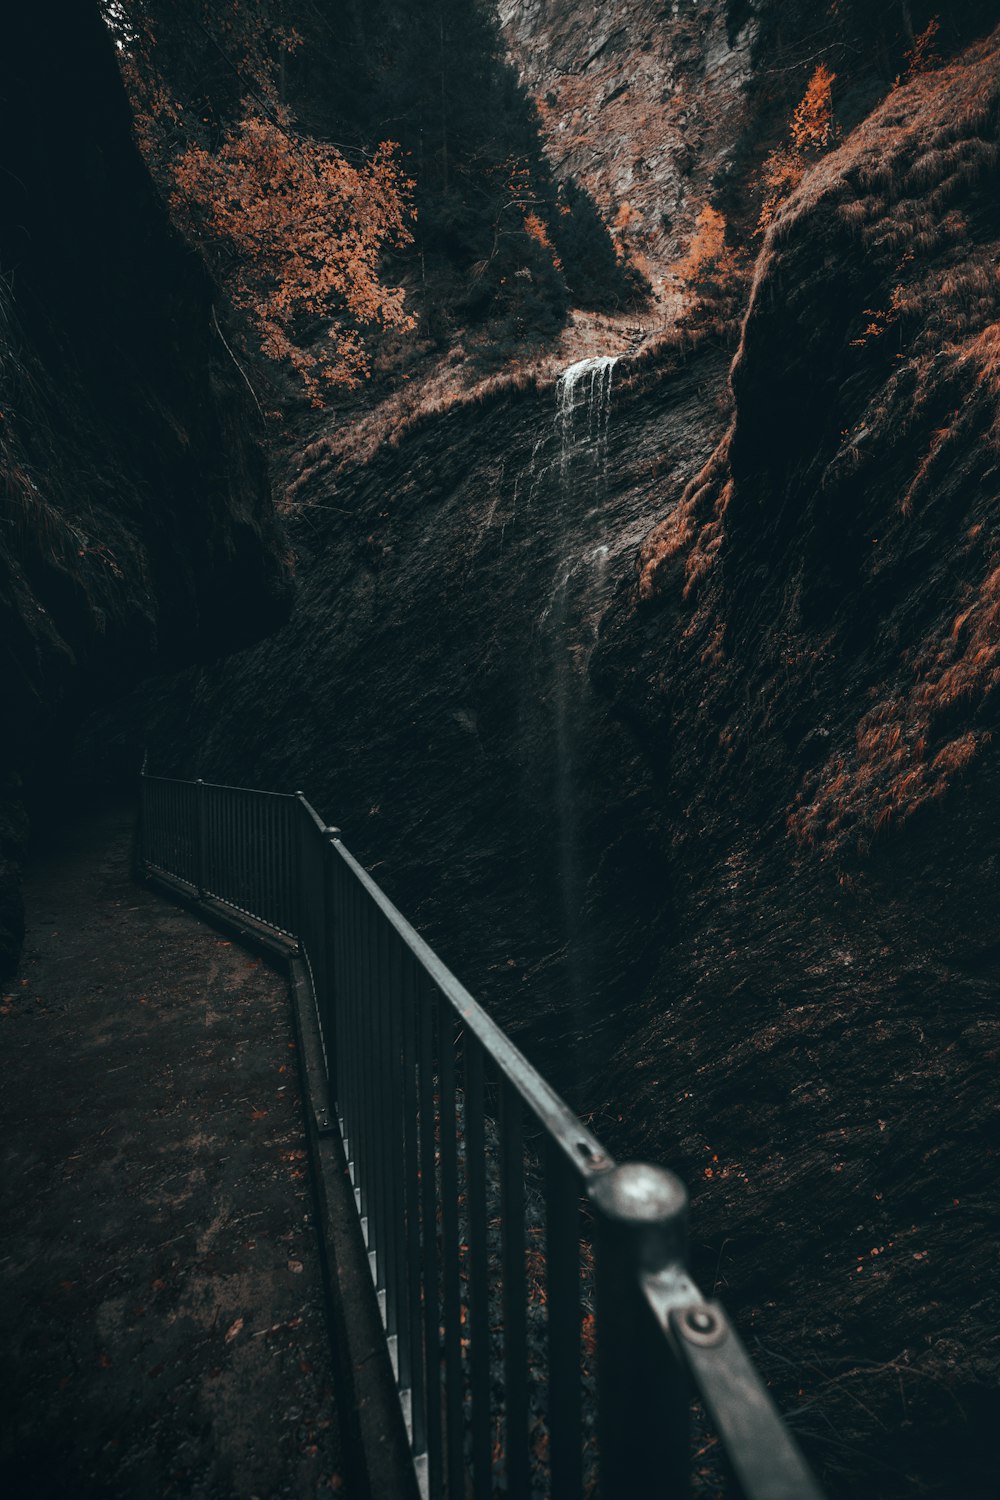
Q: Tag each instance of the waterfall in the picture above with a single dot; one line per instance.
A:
(582, 427)
(586, 438)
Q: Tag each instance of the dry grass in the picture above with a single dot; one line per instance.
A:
(907, 749)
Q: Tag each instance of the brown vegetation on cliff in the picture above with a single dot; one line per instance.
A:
(907, 197)
(808, 657)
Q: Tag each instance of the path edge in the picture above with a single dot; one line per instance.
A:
(376, 1450)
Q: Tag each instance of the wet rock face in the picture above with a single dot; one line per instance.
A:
(431, 693)
(137, 525)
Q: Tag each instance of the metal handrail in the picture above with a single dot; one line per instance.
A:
(432, 1096)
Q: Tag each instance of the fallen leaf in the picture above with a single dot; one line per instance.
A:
(295, 1265)
(233, 1330)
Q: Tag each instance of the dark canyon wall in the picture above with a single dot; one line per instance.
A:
(137, 530)
(809, 656)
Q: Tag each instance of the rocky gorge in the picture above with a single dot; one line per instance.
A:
(655, 679)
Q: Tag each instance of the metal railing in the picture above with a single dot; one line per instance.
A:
(510, 1254)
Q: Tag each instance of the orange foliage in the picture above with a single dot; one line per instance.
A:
(534, 226)
(812, 123)
(295, 232)
(305, 230)
(893, 771)
(711, 268)
(708, 246)
(812, 131)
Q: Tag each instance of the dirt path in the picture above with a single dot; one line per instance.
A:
(161, 1323)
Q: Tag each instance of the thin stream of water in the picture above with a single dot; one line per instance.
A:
(582, 423)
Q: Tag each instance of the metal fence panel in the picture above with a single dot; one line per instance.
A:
(495, 1294)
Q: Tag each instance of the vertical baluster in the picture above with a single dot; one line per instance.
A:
(479, 1271)
(328, 942)
(231, 884)
(244, 842)
(170, 860)
(280, 869)
(207, 816)
(515, 1336)
(171, 800)
(291, 883)
(277, 887)
(349, 991)
(265, 845)
(267, 861)
(396, 1289)
(429, 1233)
(253, 853)
(241, 848)
(291, 880)
(562, 1276)
(380, 1050)
(363, 1155)
(234, 849)
(449, 1246)
(339, 997)
(225, 861)
(250, 819)
(357, 1002)
(413, 1360)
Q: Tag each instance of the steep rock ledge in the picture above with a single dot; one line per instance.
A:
(642, 102)
(809, 657)
(137, 530)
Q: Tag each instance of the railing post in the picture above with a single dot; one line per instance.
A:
(142, 867)
(329, 1000)
(643, 1412)
(200, 839)
(300, 872)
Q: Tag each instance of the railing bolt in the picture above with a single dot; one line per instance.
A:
(331, 832)
(701, 1325)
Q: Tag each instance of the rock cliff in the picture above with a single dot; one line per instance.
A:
(808, 655)
(137, 529)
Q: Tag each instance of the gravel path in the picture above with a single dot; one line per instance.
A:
(161, 1325)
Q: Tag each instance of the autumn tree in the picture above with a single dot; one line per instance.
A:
(711, 275)
(483, 186)
(811, 132)
(299, 234)
(296, 231)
